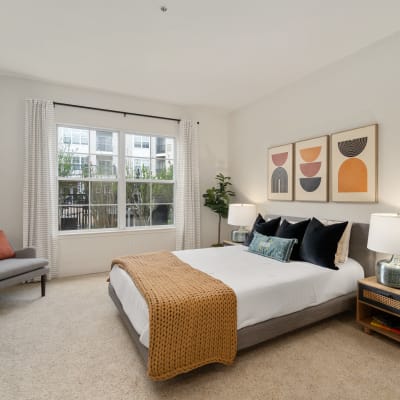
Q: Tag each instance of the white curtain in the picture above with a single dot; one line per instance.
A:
(187, 214)
(40, 181)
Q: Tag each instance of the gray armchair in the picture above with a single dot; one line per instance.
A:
(23, 267)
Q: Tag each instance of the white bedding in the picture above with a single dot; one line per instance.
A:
(264, 288)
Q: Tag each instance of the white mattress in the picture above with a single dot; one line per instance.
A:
(264, 288)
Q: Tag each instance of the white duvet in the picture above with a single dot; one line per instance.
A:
(264, 288)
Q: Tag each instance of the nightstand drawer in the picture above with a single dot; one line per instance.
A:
(380, 298)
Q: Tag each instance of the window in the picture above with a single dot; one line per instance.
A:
(142, 142)
(89, 182)
(161, 145)
(104, 141)
(74, 136)
(149, 182)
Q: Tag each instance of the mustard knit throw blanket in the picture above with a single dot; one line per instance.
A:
(192, 315)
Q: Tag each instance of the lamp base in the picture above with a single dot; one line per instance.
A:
(239, 236)
(388, 272)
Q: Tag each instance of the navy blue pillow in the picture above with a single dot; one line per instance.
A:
(268, 228)
(259, 219)
(320, 243)
(293, 231)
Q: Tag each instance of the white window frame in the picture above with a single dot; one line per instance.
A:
(121, 179)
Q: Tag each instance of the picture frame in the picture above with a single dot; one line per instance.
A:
(311, 169)
(280, 172)
(354, 165)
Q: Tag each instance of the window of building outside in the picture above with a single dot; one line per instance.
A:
(104, 141)
(142, 142)
(91, 186)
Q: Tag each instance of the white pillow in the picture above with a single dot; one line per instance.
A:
(342, 251)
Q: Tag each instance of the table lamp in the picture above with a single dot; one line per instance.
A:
(384, 237)
(241, 215)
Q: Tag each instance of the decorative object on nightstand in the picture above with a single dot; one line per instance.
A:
(241, 215)
(384, 237)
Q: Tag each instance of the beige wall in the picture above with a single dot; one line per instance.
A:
(86, 253)
(359, 90)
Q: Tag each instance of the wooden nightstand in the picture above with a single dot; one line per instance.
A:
(230, 243)
(374, 299)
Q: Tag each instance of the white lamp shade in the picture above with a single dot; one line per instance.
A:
(241, 214)
(384, 233)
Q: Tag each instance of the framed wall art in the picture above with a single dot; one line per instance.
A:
(311, 169)
(354, 165)
(280, 172)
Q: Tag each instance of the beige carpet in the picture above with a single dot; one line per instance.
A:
(72, 345)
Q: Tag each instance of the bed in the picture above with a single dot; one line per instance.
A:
(322, 293)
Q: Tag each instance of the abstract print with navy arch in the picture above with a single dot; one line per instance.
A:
(279, 178)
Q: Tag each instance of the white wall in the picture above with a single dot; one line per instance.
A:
(359, 90)
(88, 253)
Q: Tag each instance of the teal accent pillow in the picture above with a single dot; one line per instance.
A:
(277, 248)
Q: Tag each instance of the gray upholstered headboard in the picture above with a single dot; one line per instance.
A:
(358, 248)
(358, 244)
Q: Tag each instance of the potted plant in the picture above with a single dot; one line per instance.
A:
(217, 198)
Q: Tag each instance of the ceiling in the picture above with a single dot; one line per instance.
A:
(215, 53)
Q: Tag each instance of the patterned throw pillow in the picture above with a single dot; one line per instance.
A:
(279, 249)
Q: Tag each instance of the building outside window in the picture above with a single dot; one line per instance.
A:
(90, 184)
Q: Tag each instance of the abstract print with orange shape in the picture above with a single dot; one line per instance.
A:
(353, 173)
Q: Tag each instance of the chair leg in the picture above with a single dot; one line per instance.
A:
(43, 280)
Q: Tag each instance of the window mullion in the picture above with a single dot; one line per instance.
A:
(90, 182)
(151, 203)
(121, 181)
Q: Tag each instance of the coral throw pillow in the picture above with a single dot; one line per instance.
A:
(6, 251)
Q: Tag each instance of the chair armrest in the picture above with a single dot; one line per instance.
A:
(27, 252)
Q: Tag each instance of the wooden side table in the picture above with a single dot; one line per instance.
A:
(374, 299)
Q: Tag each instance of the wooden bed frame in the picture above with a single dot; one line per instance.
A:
(252, 335)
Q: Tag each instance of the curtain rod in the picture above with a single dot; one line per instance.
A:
(124, 113)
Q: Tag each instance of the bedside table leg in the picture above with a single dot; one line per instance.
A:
(367, 330)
